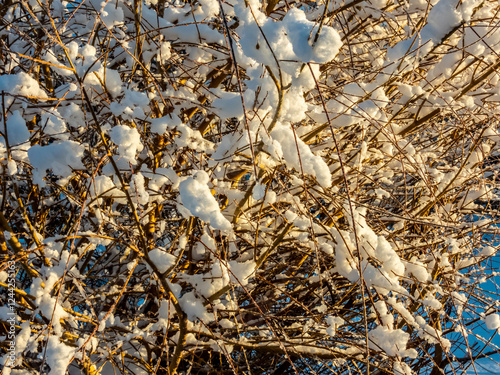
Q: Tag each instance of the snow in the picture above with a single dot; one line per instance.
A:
(492, 321)
(164, 310)
(212, 281)
(487, 251)
(442, 18)
(194, 308)
(417, 269)
(334, 322)
(392, 342)
(241, 272)
(113, 82)
(386, 318)
(432, 302)
(291, 39)
(132, 105)
(164, 52)
(20, 84)
(138, 188)
(311, 164)
(371, 246)
(409, 249)
(301, 32)
(431, 334)
(128, 141)
(210, 7)
(105, 187)
(162, 260)
(345, 263)
(61, 158)
(73, 115)
(259, 191)
(22, 340)
(197, 198)
(220, 275)
(401, 368)
(53, 124)
(17, 132)
(160, 125)
(111, 14)
(228, 105)
(12, 167)
(58, 356)
(188, 137)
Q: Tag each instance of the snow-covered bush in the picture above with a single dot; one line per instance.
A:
(229, 186)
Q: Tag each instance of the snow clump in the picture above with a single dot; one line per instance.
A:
(197, 198)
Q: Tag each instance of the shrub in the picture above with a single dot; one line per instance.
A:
(251, 188)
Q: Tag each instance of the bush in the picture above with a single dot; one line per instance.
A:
(251, 188)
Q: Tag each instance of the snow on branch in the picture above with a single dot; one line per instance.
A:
(236, 186)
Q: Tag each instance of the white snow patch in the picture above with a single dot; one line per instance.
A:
(392, 342)
(302, 32)
(162, 260)
(58, 356)
(61, 158)
(492, 321)
(311, 164)
(17, 132)
(200, 202)
(128, 141)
